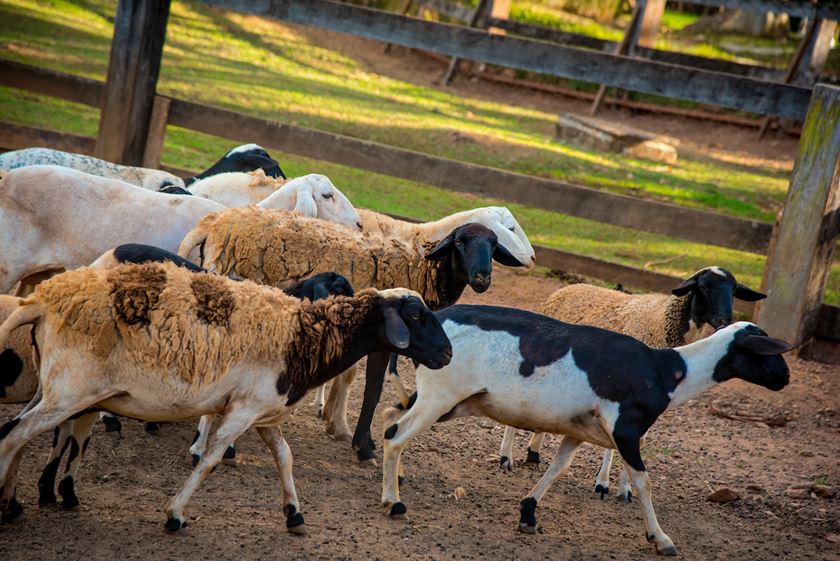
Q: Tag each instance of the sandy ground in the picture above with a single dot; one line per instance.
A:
(124, 485)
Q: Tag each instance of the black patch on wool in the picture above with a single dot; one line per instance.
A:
(141, 253)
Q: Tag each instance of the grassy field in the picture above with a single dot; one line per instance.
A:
(275, 71)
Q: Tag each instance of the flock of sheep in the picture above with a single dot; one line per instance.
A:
(131, 292)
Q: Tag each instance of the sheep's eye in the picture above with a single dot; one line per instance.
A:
(414, 317)
(459, 243)
(327, 195)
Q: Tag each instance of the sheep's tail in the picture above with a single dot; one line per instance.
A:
(195, 237)
(395, 378)
(29, 311)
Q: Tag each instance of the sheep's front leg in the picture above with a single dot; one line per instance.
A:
(319, 399)
(629, 447)
(602, 480)
(506, 449)
(273, 438)
(78, 443)
(236, 420)
(559, 465)
(363, 443)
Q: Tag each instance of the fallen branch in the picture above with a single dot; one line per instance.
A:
(779, 420)
(650, 264)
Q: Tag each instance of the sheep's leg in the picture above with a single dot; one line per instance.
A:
(46, 483)
(273, 437)
(81, 429)
(335, 412)
(374, 378)
(13, 507)
(628, 446)
(396, 380)
(235, 421)
(422, 415)
(319, 399)
(602, 480)
(625, 491)
(506, 449)
(559, 465)
(199, 443)
(534, 446)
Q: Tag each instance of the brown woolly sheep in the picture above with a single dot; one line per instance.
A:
(274, 247)
(158, 342)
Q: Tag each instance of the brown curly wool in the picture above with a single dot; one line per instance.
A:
(273, 247)
(658, 320)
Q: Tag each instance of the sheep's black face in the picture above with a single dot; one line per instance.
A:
(712, 291)
(471, 249)
(756, 358)
(411, 329)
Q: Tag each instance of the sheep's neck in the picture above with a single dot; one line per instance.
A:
(700, 359)
(329, 343)
(440, 285)
(677, 316)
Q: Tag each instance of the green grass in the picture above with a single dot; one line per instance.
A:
(262, 68)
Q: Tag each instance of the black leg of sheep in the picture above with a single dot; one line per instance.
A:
(374, 378)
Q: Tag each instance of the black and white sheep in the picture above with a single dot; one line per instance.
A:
(248, 157)
(586, 383)
(159, 342)
(694, 309)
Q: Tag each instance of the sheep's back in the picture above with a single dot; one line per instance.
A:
(638, 315)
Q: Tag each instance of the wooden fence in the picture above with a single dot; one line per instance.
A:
(708, 87)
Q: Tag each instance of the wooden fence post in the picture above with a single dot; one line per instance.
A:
(139, 32)
(157, 132)
(651, 21)
(800, 260)
(817, 48)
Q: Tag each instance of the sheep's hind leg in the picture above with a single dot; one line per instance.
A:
(602, 480)
(199, 443)
(534, 446)
(559, 465)
(235, 421)
(506, 449)
(273, 438)
(335, 410)
(81, 430)
(46, 483)
(319, 399)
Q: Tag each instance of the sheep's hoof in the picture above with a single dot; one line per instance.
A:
(398, 511)
(46, 497)
(342, 436)
(113, 426)
(12, 511)
(527, 528)
(195, 459)
(320, 413)
(173, 524)
(369, 462)
(626, 497)
(505, 463)
(670, 551)
(295, 525)
(229, 457)
(601, 492)
(152, 428)
(67, 490)
(533, 457)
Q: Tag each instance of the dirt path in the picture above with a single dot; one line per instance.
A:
(236, 514)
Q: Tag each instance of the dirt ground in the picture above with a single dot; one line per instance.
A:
(124, 485)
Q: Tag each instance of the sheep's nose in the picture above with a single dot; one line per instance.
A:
(533, 259)
(481, 282)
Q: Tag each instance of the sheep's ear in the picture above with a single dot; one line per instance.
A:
(505, 257)
(747, 294)
(442, 249)
(763, 345)
(320, 291)
(395, 328)
(685, 287)
(305, 204)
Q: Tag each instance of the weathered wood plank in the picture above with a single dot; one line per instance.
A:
(670, 57)
(157, 132)
(51, 82)
(18, 137)
(803, 249)
(136, 49)
(651, 20)
(650, 216)
(558, 60)
(802, 8)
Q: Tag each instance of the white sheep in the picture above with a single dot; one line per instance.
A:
(587, 383)
(698, 306)
(159, 342)
(152, 179)
(274, 247)
(236, 188)
(54, 218)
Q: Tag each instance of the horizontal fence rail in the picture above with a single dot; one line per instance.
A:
(583, 202)
(657, 78)
(823, 9)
